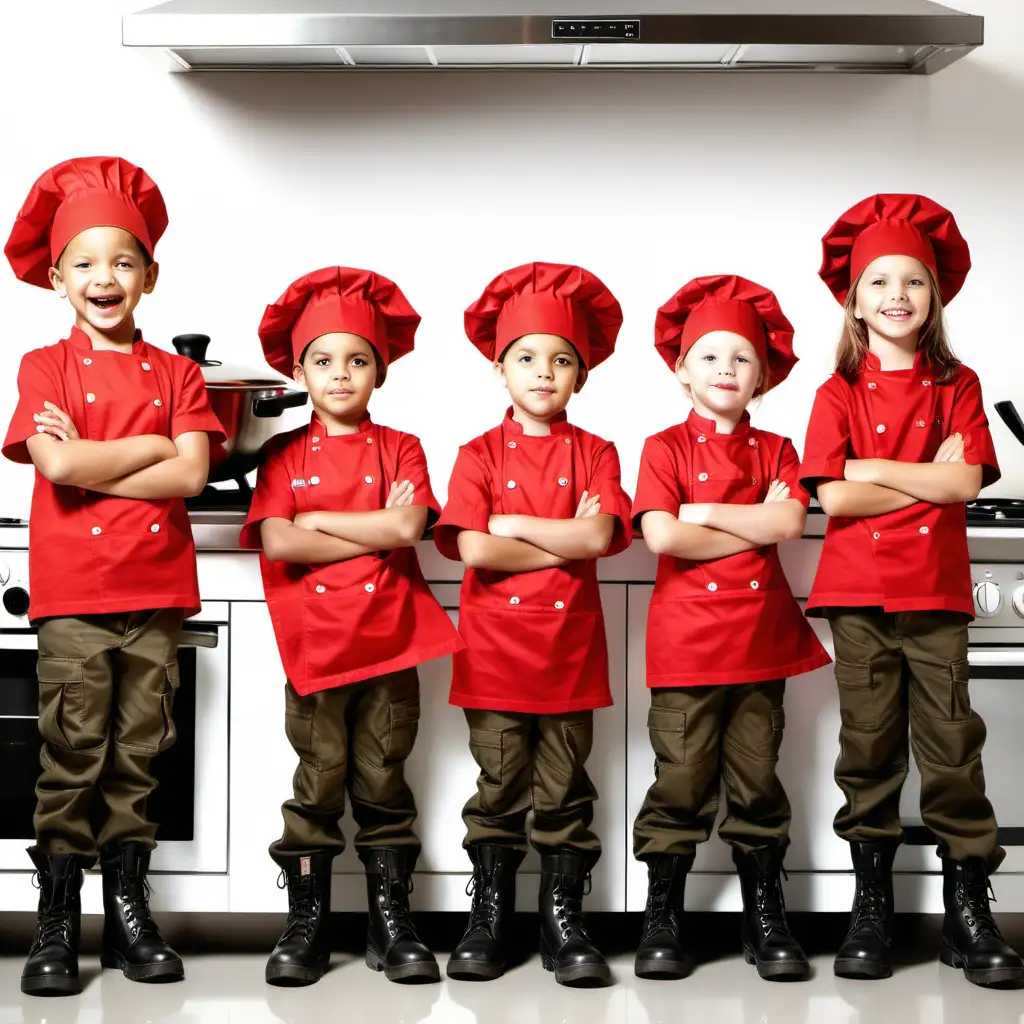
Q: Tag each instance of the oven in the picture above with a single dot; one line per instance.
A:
(190, 803)
(996, 656)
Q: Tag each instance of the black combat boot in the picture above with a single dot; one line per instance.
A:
(865, 952)
(392, 945)
(132, 943)
(52, 965)
(303, 951)
(565, 946)
(661, 953)
(767, 941)
(970, 936)
(481, 950)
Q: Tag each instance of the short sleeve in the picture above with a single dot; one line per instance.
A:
(37, 383)
(969, 420)
(658, 487)
(469, 503)
(788, 472)
(828, 439)
(191, 406)
(412, 466)
(273, 497)
(606, 480)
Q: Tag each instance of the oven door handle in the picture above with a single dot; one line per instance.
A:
(198, 636)
(1001, 657)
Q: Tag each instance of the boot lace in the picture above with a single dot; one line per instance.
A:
(660, 912)
(974, 898)
(568, 907)
(770, 904)
(303, 905)
(393, 899)
(483, 910)
(54, 924)
(134, 901)
(869, 907)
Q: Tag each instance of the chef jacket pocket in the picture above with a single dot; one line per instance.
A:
(486, 746)
(959, 697)
(62, 717)
(856, 696)
(667, 729)
(298, 724)
(403, 724)
(145, 721)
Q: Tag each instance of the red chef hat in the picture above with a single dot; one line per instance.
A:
(895, 225)
(76, 195)
(725, 302)
(546, 298)
(338, 299)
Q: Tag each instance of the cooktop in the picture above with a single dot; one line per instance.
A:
(996, 512)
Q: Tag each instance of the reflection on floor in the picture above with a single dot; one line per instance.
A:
(229, 989)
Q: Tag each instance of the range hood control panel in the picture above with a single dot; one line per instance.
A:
(595, 28)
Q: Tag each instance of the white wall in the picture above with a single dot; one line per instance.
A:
(440, 181)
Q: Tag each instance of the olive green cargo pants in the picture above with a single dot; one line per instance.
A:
(106, 692)
(532, 763)
(900, 671)
(352, 739)
(703, 736)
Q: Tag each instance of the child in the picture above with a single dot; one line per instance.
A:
(713, 499)
(338, 508)
(897, 442)
(532, 504)
(119, 434)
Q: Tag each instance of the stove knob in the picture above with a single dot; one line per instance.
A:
(1018, 601)
(15, 601)
(988, 599)
(5, 573)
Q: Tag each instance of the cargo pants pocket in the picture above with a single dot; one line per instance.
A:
(959, 694)
(146, 711)
(487, 748)
(403, 725)
(856, 696)
(63, 721)
(667, 729)
(298, 725)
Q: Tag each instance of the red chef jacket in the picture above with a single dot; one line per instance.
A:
(346, 621)
(91, 553)
(914, 559)
(535, 641)
(734, 619)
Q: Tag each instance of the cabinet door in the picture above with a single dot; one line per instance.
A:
(262, 761)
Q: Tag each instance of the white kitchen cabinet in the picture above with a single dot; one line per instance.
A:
(441, 771)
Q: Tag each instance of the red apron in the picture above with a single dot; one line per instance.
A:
(730, 620)
(915, 559)
(535, 641)
(346, 621)
(90, 553)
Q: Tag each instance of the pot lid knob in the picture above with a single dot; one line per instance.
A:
(192, 346)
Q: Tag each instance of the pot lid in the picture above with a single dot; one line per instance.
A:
(227, 376)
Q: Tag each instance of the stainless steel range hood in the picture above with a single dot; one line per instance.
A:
(893, 36)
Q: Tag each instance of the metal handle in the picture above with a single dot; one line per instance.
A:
(198, 637)
(1000, 657)
(274, 405)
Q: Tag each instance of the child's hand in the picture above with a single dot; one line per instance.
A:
(588, 506)
(779, 491)
(56, 423)
(400, 495)
(501, 526)
(305, 521)
(951, 450)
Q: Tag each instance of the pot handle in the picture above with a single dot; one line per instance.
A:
(268, 408)
(1009, 415)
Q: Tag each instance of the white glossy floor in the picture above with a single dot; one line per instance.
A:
(229, 989)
